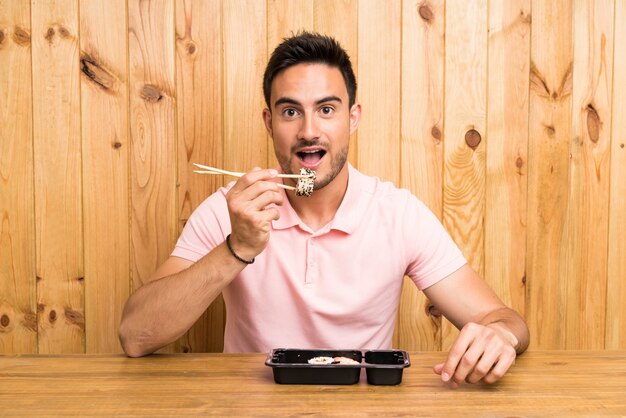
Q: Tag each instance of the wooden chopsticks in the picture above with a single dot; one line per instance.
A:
(213, 170)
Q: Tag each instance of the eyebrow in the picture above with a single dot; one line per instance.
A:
(289, 100)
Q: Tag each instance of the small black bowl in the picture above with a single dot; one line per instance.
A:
(384, 367)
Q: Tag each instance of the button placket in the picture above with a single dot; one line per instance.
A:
(311, 268)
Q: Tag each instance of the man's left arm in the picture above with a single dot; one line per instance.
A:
(491, 333)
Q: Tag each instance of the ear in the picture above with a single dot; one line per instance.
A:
(355, 117)
(267, 119)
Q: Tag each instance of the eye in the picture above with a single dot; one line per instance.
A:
(327, 110)
(290, 112)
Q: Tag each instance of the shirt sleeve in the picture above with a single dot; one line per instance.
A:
(206, 228)
(431, 251)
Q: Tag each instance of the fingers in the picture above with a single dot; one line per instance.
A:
(483, 366)
(251, 212)
(468, 361)
(502, 366)
(478, 354)
(253, 203)
(453, 370)
(257, 188)
(438, 368)
(253, 177)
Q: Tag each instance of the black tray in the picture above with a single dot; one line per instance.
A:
(383, 367)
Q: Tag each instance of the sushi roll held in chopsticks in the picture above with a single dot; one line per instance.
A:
(304, 187)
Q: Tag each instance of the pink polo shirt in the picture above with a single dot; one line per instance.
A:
(338, 287)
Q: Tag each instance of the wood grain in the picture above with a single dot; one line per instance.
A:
(285, 18)
(507, 150)
(152, 129)
(18, 318)
(379, 70)
(423, 48)
(339, 19)
(584, 261)
(58, 189)
(464, 133)
(540, 384)
(105, 168)
(548, 170)
(245, 139)
(616, 263)
(152, 134)
(199, 134)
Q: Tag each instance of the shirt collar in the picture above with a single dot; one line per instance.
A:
(348, 214)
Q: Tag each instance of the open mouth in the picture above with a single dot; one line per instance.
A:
(310, 158)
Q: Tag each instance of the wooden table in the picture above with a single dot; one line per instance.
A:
(540, 384)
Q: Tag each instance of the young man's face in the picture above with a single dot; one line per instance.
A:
(311, 121)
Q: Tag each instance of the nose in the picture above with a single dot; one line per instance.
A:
(308, 129)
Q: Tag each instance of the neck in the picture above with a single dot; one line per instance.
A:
(320, 208)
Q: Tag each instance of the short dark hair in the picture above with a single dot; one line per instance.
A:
(309, 48)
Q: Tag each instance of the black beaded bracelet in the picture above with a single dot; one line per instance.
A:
(235, 254)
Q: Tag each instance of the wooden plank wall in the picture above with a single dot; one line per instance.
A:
(506, 117)
(199, 116)
(59, 238)
(105, 156)
(18, 309)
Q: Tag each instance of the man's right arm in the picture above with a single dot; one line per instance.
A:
(164, 308)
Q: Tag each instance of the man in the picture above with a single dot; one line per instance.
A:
(323, 271)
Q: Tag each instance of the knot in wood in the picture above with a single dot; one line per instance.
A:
(53, 315)
(30, 321)
(593, 124)
(75, 317)
(96, 73)
(425, 13)
(432, 311)
(21, 36)
(151, 93)
(5, 321)
(49, 34)
(2, 36)
(436, 133)
(472, 138)
(64, 32)
(191, 47)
